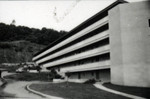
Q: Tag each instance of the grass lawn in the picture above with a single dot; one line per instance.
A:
(74, 91)
(143, 92)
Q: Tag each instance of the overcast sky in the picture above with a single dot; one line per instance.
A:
(55, 14)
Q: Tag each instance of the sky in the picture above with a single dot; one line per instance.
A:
(54, 14)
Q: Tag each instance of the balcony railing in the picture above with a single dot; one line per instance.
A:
(79, 45)
(83, 55)
(90, 66)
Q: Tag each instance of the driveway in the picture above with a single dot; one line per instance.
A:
(18, 89)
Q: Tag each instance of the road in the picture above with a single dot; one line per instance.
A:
(18, 89)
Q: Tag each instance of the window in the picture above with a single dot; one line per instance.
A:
(92, 73)
(79, 75)
(59, 69)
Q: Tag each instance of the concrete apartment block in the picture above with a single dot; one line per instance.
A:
(129, 28)
(112, 45)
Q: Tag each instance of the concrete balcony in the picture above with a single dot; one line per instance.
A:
(77, 35)
(90, 66)
(83, 55)
(79, 45)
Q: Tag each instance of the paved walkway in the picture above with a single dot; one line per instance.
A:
(19, 90)
(100, 86)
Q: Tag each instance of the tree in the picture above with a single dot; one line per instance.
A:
(13, 22)
(68, 75)
(13, 33)
(38, 68)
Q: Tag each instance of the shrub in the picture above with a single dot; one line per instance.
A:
(5, 45)
(90, 81)
(57, 76)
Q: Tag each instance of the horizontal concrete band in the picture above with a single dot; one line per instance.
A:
(87, 67)
(79, 45)
(83, 55)
(74, 37)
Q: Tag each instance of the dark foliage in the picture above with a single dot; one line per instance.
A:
(29, 76)
(18, 51)
(14, 33)
(5, 45)
(54, 75)
(90, 81)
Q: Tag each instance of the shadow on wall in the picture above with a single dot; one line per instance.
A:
(148, 4)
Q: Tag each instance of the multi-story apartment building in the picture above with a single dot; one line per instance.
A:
(113, 44)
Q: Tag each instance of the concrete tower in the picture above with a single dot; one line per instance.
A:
(130, 44)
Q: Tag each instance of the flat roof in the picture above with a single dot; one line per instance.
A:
(83, 25)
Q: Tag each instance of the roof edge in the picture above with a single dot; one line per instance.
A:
(80, 25)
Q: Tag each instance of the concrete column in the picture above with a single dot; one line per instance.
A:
(130, 44)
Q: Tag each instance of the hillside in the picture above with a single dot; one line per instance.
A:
(18, 51)
(42, 36)
(19, 43)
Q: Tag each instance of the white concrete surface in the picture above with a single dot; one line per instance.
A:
(18, 88)
(130, 44)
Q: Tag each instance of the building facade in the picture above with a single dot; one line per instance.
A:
(111, 45)
(130, 44)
